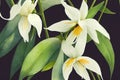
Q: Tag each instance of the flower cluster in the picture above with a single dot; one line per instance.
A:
(73, 42)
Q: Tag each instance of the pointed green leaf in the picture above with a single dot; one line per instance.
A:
(9, 28)
(57, 68)
(9, 43)
(51, 62)
(108, 11)
(49, 3)
(94, 10)
(38, 57)
(106, 49)
(20, 53)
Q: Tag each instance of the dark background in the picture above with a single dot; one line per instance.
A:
(54, 14)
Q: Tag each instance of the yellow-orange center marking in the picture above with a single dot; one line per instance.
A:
(71, 60)
(77, 30)
(83, 61)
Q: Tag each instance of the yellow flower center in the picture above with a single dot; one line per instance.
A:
(77, 30)
(71, 60)
(83, 61)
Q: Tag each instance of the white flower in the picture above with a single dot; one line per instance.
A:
(27, 18)
(81, 25)
(78, 62)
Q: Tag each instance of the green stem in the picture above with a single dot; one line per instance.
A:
(106, 2)
(93, 3)
(98, 77)
(12, 2)
(70, 2)
(92, 75)
(43, 18)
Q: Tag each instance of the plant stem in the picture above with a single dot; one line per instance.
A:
(92, 75)
(70, 2)
(92, 4)
(106, 2)
(12, 2)
(43, 18)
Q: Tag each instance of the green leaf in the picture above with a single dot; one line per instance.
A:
(21, 52)
(51, 62)
(39, 56)
(49, 3)
(106, 49)
(9, 43)
(108, 11)
(57, 69)
(9, 28)
(94, 10)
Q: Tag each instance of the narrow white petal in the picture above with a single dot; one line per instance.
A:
(13, 12)
(67, 68)
(83, 10)
(19, 2)
(93, 34)
(81, 40)
(81, 71)
(95, 25)
(35, 20)
(69, 50)
(35, 4)
(71, 38)
(71, 12)
(100, 28)
(27, 7)
(90, 64)
(62, 26)
(24, 28)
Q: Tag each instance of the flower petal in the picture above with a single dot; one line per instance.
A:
(27, 7)
(62, 26)
(71, 12)
(74, 34)
(93, 25)
(35, 3)
(81, 71)
(83, 10)
(24, 28)
(35, 20)
(71, 38)
(67, 68)
(90, 64)
(68, 49)
(93, 34)
(19, 2)
(13, 12)
(81, 40)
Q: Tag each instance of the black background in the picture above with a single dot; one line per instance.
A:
(54, 14)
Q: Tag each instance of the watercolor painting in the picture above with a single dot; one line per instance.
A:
(59, 39)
